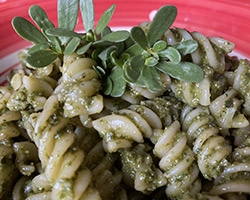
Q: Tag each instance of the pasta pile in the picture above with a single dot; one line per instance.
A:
(62, 138)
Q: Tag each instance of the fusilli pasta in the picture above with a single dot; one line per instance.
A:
(63, 137)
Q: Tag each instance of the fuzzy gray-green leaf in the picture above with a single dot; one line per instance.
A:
(151, 79)
(84, 48)
(184, 71)
(104, 55)
(133, 50)
(104, 20)
(61, 32)
(118, 83)
(117, 36)
(72, 45)
(37, 47)
(27, 30)
(133, 68)
(186, 46)
(151, 61)
(162, 21)
(41, 58)
(67, 11)
(87, 12)
(108, 86)
(171, 53)
(138, 35)
(40, 17)
(159, 46)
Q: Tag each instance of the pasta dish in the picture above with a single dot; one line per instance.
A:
(157, 112)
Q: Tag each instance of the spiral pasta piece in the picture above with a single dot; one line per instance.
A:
(8, 131)
(167, 110)
(62, 171)
(241, 136)
(225, 110)
(26, 157)
(30, 90)
(177, 162)
(117, 132)
(8, 170)
(125, 126)
(235, 179)
(210, 149)
(211, 50)
(210, 55)
(139, 171)
(78, 89)
(193, 93)
(106, 178)
(242, 85)
(131, 125)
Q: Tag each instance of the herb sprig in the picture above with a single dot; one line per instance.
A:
(136, 57)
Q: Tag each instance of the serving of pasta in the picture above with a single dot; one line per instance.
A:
(69, 132)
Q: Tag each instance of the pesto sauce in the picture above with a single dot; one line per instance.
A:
(138, 163)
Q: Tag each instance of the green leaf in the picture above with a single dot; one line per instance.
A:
(118, 83)
(159, 46)
(133, 68)
(101, 44)
(161, 22)
(27, 30)
(115, 60)
(37, 47)
(90, 36)
(99, 70)
(67, 11)
(95, 54)
(184, 71)
(192, 72)
(39, 16)
(119, 60)
(107, 30)
(186, 46)
(104, 55)
(151, 79)
(138, 35)
(117, 36)
(87, 11)
(134, 50)
(84, 48)
(61, 32)
(56, 44)
(171, 53)
(41, 58)
(151, 61)
(104, 20)
(72, 45)
(108, 86)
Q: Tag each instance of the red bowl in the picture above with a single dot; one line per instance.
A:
(229, 19)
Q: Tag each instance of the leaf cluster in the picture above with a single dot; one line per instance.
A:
(51, 42)
(151, 54)
(136, 57)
